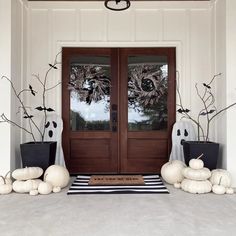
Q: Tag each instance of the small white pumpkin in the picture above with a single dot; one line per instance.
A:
(45, 188)
(27, 173)
(5, 188)
(57, 176)
(21, 186)
(194, 186)
(171, 171)
(34, 192)
(56, 189)
(229, 191)
(222, 176)
(196, 164)
(177, 185)
(201, 174)
(218, 189)
(7, 179)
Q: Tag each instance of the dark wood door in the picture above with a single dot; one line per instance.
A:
(118, 108)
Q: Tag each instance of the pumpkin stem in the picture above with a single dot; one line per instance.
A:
(9, 172)
(200, 156)
(220, 180)
(4, 181)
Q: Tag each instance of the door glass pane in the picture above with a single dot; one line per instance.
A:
(147, 92)
(90, 86)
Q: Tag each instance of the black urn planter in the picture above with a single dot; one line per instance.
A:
(210, 150)
(38, 154)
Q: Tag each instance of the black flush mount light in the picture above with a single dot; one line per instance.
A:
(117, 5)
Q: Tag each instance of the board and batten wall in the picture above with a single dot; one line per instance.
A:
(225, 51)
(13, 17)
(184, 25)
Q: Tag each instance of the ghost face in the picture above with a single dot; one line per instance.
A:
(183, 131)
(50, 128)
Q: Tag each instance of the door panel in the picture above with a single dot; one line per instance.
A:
(89, 89)
(118, 108)
(148, 105)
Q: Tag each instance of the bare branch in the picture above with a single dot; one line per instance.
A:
(38, 78)
(6, 120)
(53, 86)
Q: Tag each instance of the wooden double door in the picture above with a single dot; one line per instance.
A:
(118, 107)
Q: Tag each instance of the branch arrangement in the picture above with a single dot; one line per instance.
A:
(26, 111)
(208, 111)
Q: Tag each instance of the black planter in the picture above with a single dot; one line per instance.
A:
(38, 154)
(210, 150)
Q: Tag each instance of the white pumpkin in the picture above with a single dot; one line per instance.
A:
(21, 186)
(194, 186)
(6, 178)
(27, 173)
(177, 185)
(5, 188)
(56, 189)
(45, 188)
(218, 189)
(221, 177)
(57, 175)
(196, 164)
(34, 192)
(202, 174)
(171, 171)
(229, 191)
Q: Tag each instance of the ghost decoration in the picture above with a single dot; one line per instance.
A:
(182, 131)
(53, 131)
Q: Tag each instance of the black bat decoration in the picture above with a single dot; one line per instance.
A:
(207, 86)
(54, 67)
(28, 117)
(31, 90)
(39, 108)
(49, 109)
(44, 109)
(183, 110)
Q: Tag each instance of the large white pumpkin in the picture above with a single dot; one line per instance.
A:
(194, 186)
(57, 176)
(201, 174)
(221, 177)
(27, 173)
(171, 171)
(20, 186)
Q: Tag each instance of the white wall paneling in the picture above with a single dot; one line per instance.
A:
(92, 25)
(5, 94)
(146, 19)
(145, 24)
(184, 25)
(231, 84)
(12, 61)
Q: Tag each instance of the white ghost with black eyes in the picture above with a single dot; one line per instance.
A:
(182, 131)
(53, 131)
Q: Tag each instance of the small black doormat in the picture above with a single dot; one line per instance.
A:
(152, 184)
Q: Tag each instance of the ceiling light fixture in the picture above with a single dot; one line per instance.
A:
(117, 5)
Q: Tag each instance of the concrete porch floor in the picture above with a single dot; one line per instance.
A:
(177, 213)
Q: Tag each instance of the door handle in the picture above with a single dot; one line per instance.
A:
(114, 117)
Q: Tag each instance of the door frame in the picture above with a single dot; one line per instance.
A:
(121, 98)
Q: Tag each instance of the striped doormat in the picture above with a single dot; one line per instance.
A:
(152, 184)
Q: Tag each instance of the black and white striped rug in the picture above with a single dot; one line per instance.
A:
(153, 184)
